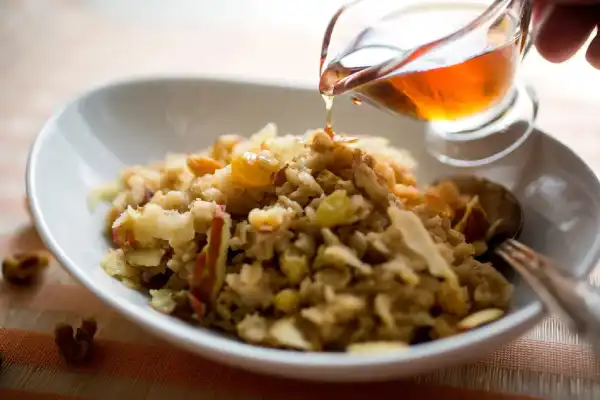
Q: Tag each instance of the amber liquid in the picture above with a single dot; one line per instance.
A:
(328, 113)
(452, 83)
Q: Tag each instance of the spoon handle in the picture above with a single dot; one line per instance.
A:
(576, 301)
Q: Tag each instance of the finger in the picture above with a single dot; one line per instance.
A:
(540, 13)
(592, 54)
(540, 8)
(564, 31)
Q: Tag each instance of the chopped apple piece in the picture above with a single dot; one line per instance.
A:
(198, 306)
(144, 257)
(376, 347)
(479, 318)
(209, 273)
(285, 333)
(418, 240)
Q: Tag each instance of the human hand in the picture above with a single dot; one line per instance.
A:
(566, 26)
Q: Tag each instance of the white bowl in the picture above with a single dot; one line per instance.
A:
(87, 142)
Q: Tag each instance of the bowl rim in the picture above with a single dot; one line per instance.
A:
(206, 343)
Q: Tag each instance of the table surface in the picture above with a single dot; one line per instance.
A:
(51, 50)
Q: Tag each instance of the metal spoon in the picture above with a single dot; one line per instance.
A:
(575, 300)
(500, 205)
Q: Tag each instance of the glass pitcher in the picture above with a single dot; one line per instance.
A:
(452, 63)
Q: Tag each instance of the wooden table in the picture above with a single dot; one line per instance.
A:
(51, 50)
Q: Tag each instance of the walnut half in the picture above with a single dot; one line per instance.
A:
(75, 347)
(22, 268)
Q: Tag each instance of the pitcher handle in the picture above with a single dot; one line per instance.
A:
(534, 30)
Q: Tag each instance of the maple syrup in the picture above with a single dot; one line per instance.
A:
(328, 114)
(451, 82)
